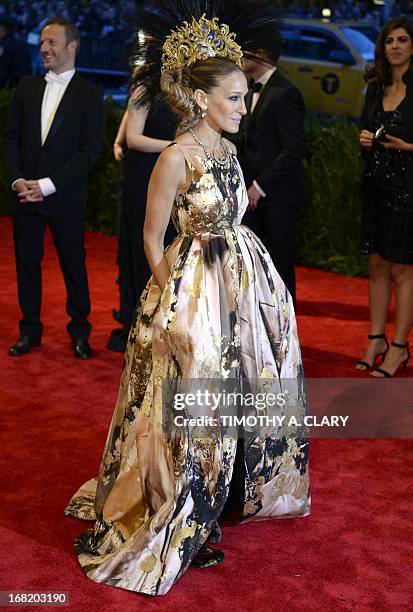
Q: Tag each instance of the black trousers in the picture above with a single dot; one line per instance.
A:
(275, 225)
(68, 236)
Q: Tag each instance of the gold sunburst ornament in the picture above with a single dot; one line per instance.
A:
(199, 40)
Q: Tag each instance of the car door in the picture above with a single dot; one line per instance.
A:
(298, 69)
(324, 68)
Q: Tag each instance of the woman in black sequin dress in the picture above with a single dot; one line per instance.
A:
(387, 190)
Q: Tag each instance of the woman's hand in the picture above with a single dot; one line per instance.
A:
(118, 151)
(396, 143)
(366, 139)
(120, 138)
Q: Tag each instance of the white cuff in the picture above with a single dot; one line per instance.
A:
(258, 188)
(13, 185)
(47, 187)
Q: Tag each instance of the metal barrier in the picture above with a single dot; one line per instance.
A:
(107, 55)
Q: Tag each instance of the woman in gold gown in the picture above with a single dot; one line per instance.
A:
(215, 309)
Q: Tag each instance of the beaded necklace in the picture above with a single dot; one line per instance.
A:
(221, 161)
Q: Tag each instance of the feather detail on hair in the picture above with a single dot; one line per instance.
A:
(255, 24)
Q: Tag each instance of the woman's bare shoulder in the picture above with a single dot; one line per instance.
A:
(190, 151)
(171, 165)
(172, 156)
(187, 145)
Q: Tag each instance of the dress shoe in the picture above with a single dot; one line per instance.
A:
(207, 557)
(116, 315)
(118, 340)
(81, 349)
(23, 346)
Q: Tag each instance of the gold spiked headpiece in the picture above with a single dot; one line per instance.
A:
(199, 40)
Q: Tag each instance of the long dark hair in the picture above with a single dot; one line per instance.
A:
(380, 71)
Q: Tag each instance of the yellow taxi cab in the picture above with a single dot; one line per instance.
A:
(326, 61)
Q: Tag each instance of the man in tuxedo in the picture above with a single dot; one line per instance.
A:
(54, 134)
(271, 147)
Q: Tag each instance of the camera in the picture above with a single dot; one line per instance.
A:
(380, 134)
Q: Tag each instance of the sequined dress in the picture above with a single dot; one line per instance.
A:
(387, 219)
(224, 314)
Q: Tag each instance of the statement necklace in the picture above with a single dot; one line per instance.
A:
(220, 160)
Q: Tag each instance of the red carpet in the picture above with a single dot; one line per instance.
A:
(354, 553)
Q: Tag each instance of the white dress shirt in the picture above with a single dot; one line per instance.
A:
(264, 78)
(56, 85)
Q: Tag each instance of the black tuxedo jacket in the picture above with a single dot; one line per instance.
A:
(271, 143)
(69, 151)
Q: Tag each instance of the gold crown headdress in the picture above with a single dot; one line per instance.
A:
(180, 32)
(199, 40)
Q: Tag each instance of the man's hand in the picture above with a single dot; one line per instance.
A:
(396, 143)
(253, 197)
(20, 185)
(31, 193)
(366, 139)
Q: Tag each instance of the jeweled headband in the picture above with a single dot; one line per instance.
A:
(199, 40)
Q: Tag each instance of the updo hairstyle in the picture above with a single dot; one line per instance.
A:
(179, 87)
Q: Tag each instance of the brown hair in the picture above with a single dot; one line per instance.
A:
(179, 87)
(71, 30)
(380, 71)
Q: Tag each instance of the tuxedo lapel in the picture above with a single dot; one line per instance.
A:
(247, 118)
(68, 98)
(266, 90)
(37, 109)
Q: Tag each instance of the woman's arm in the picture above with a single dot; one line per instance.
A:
(134, 132)
(169, 173)
(120, 138)
(399, 144)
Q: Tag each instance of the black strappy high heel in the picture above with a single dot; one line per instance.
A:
(387, 374)
(368, 366)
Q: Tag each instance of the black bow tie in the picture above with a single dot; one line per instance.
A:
(255, 86)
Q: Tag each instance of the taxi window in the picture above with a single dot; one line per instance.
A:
(289, 36)
(361, 42)
(312, 44)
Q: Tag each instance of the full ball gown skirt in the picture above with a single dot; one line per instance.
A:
(223, 314)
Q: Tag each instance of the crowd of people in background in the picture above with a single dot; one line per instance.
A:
(102, 18)
(91, 16)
